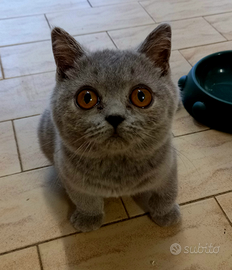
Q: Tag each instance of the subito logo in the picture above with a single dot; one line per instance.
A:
(175, 249)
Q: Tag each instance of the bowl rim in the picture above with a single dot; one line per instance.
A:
(194, 74)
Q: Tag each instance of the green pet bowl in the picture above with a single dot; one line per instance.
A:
(207, 91)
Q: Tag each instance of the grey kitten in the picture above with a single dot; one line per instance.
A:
(108, 127)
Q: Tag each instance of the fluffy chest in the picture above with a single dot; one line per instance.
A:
(113, 176)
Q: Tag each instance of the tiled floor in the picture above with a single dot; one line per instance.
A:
(35, 232)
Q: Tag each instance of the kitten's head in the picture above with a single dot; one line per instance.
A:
(113, 101)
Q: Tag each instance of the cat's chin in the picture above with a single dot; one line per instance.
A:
(116, 143)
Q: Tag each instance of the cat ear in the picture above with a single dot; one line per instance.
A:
(66, 50)
(157, 47)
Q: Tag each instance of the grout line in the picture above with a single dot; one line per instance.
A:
(124, 207)
(196, 46)
(111, 30)
(89, 3)
(40, 260)
(220, 13)
(24, 43)
(112, 40)
(1, 67)
(17, 146)
(146, 12)
(109, 5)
(18, 118)
(67, 235)
(113, 4)
(34, 169)
(42, 13)
(116, 29)
(204, 45)
(184, 57)
(22, 16)
(205, 198)
(32, 74)
(223, 211)
(76, 35)
(194, 17)
(199, 131)
(102, 6)
(115, 222)
(196, 200)
(47, 21)
(108, 224)
(215, 28)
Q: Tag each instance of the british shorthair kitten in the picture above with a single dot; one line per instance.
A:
(108, 127)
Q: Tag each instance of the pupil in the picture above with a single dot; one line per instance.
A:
(87, 98)
(141, 95)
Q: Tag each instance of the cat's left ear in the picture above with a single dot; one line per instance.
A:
(66, 50)
(157, 47)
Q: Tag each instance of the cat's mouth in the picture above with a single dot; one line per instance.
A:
(115, 135)
(116, 141)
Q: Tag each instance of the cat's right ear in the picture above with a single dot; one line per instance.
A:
(157, 47)
(66, 50)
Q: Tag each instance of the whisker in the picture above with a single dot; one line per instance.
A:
(187, 159)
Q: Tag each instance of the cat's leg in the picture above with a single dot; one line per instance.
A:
(164, 212)
(162, 203)
(89, 212)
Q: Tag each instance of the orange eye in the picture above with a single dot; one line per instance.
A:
(141, 97)
(87, 99)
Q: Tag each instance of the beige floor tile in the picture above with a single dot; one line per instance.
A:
(185, 33)
(30, 94)
(34, 209)
(168, 10)
(25, 96)
(100, 19)
(184, 123)
(195, 54)
(114, 210)
(22, 30)
(27, 59)
(131, 37)
(98, 41)
(222, 23)
(226, 203)
(204, 164)
(132, 207)
(37, 57)
(30, 153)
(96, 3)
(140, 244)
(9, 161)
(193, 32)
(26, 259)
(179, 66)
(15, 8)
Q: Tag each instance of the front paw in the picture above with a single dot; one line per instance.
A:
(86, 223)
(171, 218)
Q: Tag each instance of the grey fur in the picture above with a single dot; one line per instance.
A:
(91, 163)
